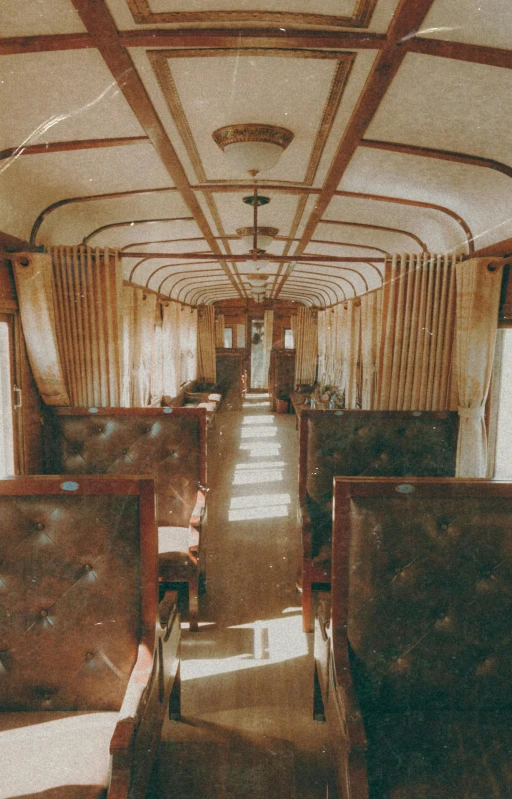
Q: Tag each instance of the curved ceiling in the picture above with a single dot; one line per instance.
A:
(399, 110)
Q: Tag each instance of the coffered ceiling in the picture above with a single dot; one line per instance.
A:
(399, 111)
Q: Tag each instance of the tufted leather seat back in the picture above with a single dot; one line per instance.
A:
(377, 443)
(430, 601)
(70, 600)
(169, 444)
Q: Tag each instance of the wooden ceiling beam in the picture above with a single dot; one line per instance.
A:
(45, 43)
(407, 20)
(461, 51)
(99, 24)
(66, 146)
(442, 155)
(243, 38)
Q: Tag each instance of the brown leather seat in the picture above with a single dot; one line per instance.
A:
(169, 443)
(354, 442)
(85, 678)
(419, 699)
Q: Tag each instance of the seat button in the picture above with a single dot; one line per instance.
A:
(89, 655)
(43, 612)
(39, 526)
(88, 567)
(124, 451)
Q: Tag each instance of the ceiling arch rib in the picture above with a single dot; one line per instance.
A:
(189, 275)
(324, 287)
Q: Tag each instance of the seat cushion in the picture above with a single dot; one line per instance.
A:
(439, 756)
(210, 406)
(55, 754)
(215, 397)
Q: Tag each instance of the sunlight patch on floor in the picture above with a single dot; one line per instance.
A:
(255, 404)
(274, 641)
(256, 476)
(262, 449)
(258, 420)
(259, 506)
(259, 432)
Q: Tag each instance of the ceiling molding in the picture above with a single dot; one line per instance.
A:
(360, 17)
(190, 276)
(66, 146)
(376, 227)
(443, 155)
(243, 38)
(45, 43)
(406, 22)
(461, 51)
(10, 243)
(243, 188)
(133, 222)
(99, 24)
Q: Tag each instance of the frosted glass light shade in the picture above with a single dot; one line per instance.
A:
(257, 281)
(264, 236)
(252, 148)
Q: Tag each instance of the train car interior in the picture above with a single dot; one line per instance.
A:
(256, 392)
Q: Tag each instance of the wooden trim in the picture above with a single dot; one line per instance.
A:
(45, 43)
(292, 38)
(443, 155)
(192, 277)
(66, 146)
(461, 51)
(210, 256)
(406, 21)
(99, 23)
(49, 484)
(376, 227)
(132, 222)
(324, 291)
(243, 187)
(242, 38)
(501, 249)
(161, 297)
(9, 244)
(360, 17)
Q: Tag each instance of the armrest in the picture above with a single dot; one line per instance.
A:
(199, 508)
(168, 610)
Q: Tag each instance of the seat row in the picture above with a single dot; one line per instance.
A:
(413, 631)
(89, 661)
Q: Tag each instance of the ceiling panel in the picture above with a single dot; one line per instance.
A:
(460, 107)
(480, 196)
(67, 95)
(488, 22)
(30, 18)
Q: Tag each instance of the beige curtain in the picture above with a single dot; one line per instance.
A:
(371, 321)
(206, 344)
(219, 330)
(71, 308)
(268, 327)
(478, 295)
(323, 332)
(139, 309)
(171, 349)
(350, 350)
(418, 322)
(33, 273)
(188, 328)
(306, 346)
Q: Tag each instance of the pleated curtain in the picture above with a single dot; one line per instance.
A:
(478, 295)
(219, 330)
(371, 322)
(306, 346)
(139, 340)
(87, 286)
(417, 338)
(268, 327)
(188, 328)
(206, 344)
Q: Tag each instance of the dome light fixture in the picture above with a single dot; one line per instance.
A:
(257, 281)
(264, 237)
(252, 147)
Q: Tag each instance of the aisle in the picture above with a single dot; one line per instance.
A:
(247, 676)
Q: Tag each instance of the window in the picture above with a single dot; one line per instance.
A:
(289, 343)
(228, 337)
(500, 433)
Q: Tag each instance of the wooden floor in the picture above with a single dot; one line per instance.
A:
(247, 730)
